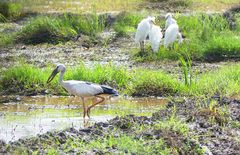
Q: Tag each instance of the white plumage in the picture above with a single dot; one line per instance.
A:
(155, 37)
(82, 88)
(143, 30)
(169, 20)
(172, 32)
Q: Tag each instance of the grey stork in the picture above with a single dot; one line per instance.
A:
(82, 89)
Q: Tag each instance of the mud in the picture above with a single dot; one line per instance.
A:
(28, 116)
(215, 138)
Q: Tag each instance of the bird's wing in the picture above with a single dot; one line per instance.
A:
(171, 33)
(82, 88)
(155, 37)
(109, 90)
(142, 30)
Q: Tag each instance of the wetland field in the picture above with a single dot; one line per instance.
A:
(180, 100)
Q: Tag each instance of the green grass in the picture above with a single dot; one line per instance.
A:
(133, 142)
(83, 6)
(129, 145)
(55, 29)
(24, 77)
(27, 79)
(208, 38)
(225, 81)
(6, 39)
(43, 6)
(156, 83)
(170, 136)
(127, 23)
(10, 11)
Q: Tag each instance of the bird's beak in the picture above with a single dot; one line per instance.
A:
(51, 77)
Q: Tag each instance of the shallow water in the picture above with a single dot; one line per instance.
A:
(29, 116)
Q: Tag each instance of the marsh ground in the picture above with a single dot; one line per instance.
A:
(202, 113)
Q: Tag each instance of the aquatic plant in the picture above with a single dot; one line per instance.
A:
(187, 69)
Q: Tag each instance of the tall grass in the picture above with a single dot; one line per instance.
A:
(156, 83)
(225, 81)
(6, 39)
(127, 23)
(208, 38)
(27, 79)
(55, 29)
(76, 6)
(24, 77)
(186, 69)
(10, 11)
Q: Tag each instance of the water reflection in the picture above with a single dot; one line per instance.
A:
(39, 114)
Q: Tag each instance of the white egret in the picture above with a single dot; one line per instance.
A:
(143, 30)
(82, 89)
(169, 20)
(172, 34)
(155, 37)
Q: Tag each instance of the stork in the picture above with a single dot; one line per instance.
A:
(169, 20)
(171, 31)
(82, 89)
(172, 34)
(143, 30)
(155, 37)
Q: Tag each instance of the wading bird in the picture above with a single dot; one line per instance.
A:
(82, 89)
(171, 35)
(143, 30)
(169, 20)
(172, 32)
(155, 37)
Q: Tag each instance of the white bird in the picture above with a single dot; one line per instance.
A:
(171, 35)
(155, 37)
(82, 89)
(143, 30)
(169, 20)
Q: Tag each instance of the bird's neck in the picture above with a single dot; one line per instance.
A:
(151, 25)
(61, 77)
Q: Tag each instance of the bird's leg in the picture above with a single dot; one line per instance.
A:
(142, 46)
(84, 109)
(94, 104)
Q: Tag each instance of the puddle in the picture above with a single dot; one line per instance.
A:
(36, 115)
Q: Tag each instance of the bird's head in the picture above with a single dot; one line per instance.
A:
(168, 15)
(59, 68)
(151, 20)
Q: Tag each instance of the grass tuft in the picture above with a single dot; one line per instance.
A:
(27, 79)
(55, 29)
(11, 11)
(208, 38)
(127, 23)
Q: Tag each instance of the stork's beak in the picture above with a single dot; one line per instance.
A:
(51, 77)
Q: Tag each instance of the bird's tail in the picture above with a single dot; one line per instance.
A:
(109, 90)
(180, 40)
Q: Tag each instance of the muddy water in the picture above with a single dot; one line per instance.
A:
(28, 116)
